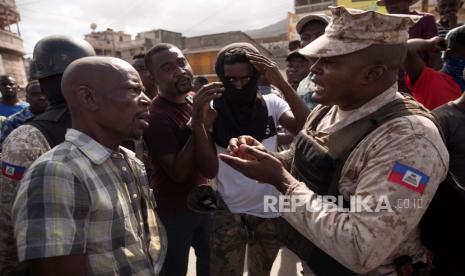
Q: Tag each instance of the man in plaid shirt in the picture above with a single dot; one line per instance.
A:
(84, 207)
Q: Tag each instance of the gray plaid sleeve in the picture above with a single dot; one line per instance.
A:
(50, 212)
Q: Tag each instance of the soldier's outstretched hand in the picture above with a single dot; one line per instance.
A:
(258, 165)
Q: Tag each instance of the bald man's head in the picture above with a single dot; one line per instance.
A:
(99, 73)
(106, 93)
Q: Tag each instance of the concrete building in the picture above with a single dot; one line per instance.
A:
(201, 51)
(307, 6)
(120, 44)
(275, 39)
(11, 44)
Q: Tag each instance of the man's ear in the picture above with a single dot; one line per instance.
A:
(375, 72)
(87, 98)
(447, 53)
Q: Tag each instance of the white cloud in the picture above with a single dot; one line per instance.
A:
(46, 17)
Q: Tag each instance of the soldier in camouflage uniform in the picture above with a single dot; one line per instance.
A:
(28, 142)
(369, 143)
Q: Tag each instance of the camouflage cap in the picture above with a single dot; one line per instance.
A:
(351, 30)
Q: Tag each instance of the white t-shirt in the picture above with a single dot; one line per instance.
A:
(242, 194)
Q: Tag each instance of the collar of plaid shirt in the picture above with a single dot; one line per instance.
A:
(96, 152)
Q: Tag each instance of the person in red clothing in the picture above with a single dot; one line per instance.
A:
(424, 28)
(434, 88)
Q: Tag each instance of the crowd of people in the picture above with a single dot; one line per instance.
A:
(112, 168)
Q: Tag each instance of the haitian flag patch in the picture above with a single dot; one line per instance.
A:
(12, 171)
(408, 177)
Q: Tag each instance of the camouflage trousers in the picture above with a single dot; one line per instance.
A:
(8, 253)
(232, 233)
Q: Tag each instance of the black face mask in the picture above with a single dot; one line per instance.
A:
(240, 111)
(51, 86)
(242, 101)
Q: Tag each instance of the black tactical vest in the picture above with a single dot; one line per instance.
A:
(53, 124)
(318, 163)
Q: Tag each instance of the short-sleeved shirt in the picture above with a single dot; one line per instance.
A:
(167, 134)
(434, 88)
(240, 193)
(368, 242)
(452, 121)
(81, 198)
(8, 110)
(14, 121)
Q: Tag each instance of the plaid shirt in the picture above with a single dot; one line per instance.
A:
(14, 121)
(80, 198)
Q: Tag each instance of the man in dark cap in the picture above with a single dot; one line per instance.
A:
(297, 69)
(310, 28)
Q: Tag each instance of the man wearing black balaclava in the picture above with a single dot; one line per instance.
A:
(240, 219)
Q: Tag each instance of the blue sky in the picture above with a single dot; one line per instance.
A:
(40, 18)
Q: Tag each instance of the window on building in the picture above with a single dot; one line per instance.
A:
(301, 2)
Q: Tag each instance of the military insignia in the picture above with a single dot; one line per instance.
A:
(408, 177)
(12, 171)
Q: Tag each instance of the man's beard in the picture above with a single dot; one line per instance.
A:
(7, 95)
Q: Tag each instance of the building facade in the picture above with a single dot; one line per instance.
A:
(201, 51)
(120, 44)
(11, 44)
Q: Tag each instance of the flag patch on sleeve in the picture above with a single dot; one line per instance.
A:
(12, 171)
(408, 177)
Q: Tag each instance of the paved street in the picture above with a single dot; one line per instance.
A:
(290, 267)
